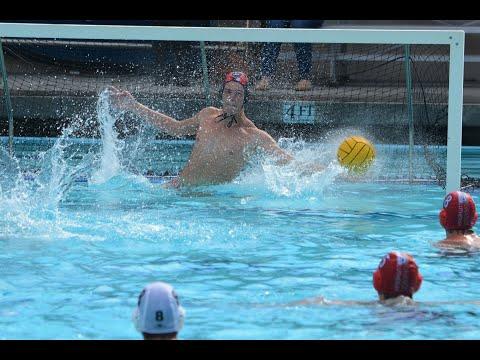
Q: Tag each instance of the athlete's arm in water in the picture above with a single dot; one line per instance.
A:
(270, 147)
(123, 100)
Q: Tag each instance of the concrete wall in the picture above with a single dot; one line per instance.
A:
(386, 122)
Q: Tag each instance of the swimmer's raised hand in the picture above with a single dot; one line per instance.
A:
(120, 99)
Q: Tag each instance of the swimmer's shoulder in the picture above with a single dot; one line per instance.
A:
(473, 241)
(208, 114)
(399, 300)
(250, 125)
(209, 111)
(465, 242)
(260, 136)
(441, 243)
(476, 238)
(447, 245)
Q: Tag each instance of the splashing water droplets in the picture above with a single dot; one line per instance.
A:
(294, 179)
(111, 145)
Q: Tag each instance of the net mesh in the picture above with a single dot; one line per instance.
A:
(356, 90)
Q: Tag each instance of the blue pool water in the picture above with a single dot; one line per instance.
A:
(237, 254)
(75, 255)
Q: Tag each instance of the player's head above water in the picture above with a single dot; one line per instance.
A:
(238, 77)
(234, 96)
(158, 314)
(397, 274)
(235, 88)
(458, 212)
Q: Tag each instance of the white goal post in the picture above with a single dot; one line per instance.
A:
(454, 38)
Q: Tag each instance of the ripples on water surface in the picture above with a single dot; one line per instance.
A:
(74, 256)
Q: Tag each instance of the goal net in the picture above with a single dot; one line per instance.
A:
(401, 89)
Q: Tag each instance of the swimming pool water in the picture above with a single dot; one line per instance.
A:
(74, 262)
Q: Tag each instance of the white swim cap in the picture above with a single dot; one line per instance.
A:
(158, 310)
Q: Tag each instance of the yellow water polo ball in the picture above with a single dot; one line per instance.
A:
(356, 153)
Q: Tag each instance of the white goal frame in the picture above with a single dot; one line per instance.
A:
(454, 38)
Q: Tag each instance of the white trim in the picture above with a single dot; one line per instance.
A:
(77, 43)
(116, 32)
(455, 111)
(469, 29)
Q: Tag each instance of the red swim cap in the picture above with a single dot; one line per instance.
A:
(237, 76)
(397, 275)
(458, 211)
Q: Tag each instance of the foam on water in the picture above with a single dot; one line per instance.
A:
(32, 206)
(294, 179)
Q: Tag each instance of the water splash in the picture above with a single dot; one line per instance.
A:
(111, 145)
(296, 178)
(10, 172)
(30, 206)
(120, 157)
(30, 198)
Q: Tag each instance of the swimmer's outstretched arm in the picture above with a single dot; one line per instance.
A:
(123, 100)
(270, 146)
